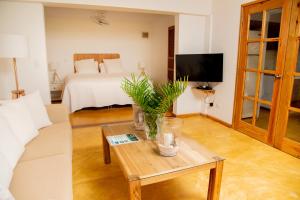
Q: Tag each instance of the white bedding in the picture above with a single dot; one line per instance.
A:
(94, 90)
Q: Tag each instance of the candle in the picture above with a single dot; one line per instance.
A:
(141, 117)
(168, 139)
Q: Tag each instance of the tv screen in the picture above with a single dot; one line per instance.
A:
(200, 67)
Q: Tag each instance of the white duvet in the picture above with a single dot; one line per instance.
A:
(94, 90)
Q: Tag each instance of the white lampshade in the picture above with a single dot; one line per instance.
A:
(13, 46)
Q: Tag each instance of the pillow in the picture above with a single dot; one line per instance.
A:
(5, 194)
(6, 172)
(19, 120)
(102, 68)
(87, 66)
(10, 146)
(37, 110)
(113, 66)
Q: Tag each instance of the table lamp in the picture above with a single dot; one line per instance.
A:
(14, 46)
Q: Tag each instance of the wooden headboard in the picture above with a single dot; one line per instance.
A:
(95, 56)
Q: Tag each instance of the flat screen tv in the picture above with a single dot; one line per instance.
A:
(200, 67)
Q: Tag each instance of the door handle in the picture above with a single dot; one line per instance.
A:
(277, 76)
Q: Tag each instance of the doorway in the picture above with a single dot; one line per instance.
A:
(171, 52)
(265, 68)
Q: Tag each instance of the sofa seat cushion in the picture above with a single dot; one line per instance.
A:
(48, 178)
(52, 140)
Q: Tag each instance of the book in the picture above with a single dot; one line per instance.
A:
(126, 138)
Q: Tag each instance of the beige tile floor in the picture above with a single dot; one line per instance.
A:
(252, 169)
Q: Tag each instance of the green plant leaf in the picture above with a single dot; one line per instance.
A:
(155, 99)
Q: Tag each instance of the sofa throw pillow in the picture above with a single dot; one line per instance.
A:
(6, 172)
(87, 66)
(10, 146)
(5, 194)
(113, 66)
(19, 120)
(37, 110)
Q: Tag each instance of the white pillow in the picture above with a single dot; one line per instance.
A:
(87, 66)
(37, 110)
(102, 68)
(113, 66)
(10, 146)
(6, 172)
(19, 120)
(5, 194)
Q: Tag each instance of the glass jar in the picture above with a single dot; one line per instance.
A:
(151, 122)
(138, 117)
(168, 137)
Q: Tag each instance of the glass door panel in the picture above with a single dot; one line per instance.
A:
(295, 99)
(250, 84)
(253, 55)
(262, 116)
(247, 114)
(270, 55)
(293, 126)
(255, 26)
(266, 87)
(298, 61)
(293, 121)
(273, 23)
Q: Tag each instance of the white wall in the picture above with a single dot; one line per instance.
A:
(159, 48)
(225, 37)
(198, 7)
(192, 32)
(70, 31)
(192, 37)
(25, 19)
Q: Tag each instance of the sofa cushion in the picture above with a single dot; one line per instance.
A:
(58, 113)
(52, 140)
(48, 178)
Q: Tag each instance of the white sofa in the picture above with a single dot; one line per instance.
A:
(44, 171)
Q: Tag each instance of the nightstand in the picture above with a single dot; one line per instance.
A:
(56, 91)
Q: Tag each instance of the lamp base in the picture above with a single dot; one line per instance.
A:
(15, 94)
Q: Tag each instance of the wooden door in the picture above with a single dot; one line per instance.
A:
(262, 48)
(287, 131)
(171, 45)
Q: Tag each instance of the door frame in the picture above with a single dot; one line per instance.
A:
(266, 136)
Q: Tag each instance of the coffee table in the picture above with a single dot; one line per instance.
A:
(142, 165)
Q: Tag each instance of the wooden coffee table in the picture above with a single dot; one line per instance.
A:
(142, 165)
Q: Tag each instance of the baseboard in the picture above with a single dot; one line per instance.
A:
(186, 115)
(217, 120)
(204, 115)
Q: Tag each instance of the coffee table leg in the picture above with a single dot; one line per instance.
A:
(106, 150)
(215, 178)
(135, 190)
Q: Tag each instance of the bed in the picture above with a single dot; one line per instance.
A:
(94, 90)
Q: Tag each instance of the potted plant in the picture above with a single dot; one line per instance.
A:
(154, 99)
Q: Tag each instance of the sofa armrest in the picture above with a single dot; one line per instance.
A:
(57, 113)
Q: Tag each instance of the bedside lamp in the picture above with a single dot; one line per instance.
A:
(141, 68)
(14, 46)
